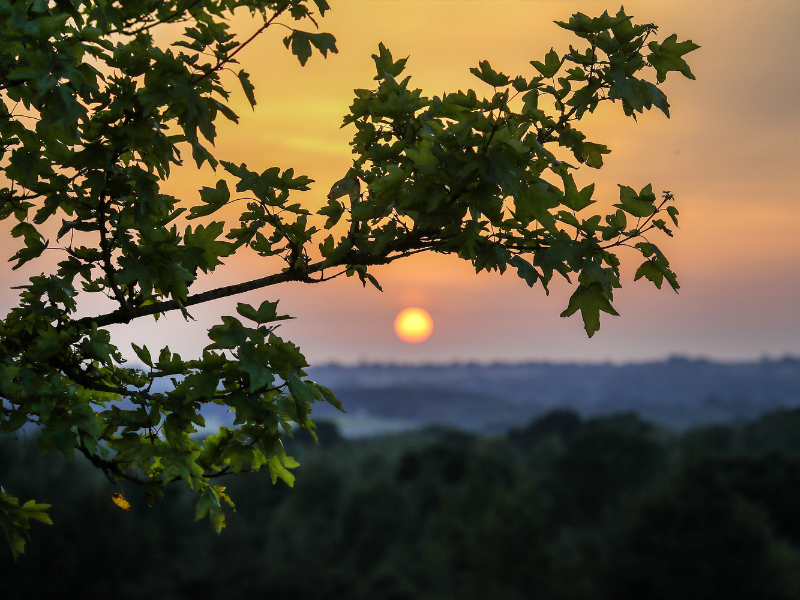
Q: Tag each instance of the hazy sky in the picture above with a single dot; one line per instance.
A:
(729, 154)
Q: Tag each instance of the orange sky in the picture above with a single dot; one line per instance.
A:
(729, 154)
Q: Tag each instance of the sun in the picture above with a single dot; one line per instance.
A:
(413, 325)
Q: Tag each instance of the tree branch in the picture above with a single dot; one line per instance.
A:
(410, 245)
(110, 468)
(229, 58)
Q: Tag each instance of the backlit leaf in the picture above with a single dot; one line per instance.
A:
(488, 75)
(668, 56)
(551, 65)
(120, 502)
(590, 300)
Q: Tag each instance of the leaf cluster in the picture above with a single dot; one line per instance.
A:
(480, 178)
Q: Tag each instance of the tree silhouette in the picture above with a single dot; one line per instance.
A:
(95, 116)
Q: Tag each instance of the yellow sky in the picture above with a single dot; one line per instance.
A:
(729, 154)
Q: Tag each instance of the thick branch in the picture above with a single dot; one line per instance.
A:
(110, 468)
(403, 247)
(125, 316)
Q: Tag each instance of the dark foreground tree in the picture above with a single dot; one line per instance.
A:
(94, 117)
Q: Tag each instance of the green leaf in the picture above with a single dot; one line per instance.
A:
(574, 199)
(143, 353)
(267, 312)
(277, 469)
(489, 75)
(347, 186)
(364, 276)
(334, 211)
(327, 395)
(301, 42)
(673, 214)
(638, 205)
(536, 202)
(247, 87)
(31, 510)
(650, 270)
(525, 270)
(301, 45)
(520, 84)
(592, 154)
(667, 56)
(255, 362)
(35, 244)
(422, 157)
(229, 335)
(208, 249)
(585, 26)
(590, 300)
(658, 262)
(551, 65)
(324, 42)
(385, 65)
(16, 520)
(323, 6)
(299, 389)
(218, 195)
(181, 463)
(240, 457)
(636, 94)
(208, 504)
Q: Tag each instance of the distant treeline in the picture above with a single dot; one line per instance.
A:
(564, 508)
(678, 393)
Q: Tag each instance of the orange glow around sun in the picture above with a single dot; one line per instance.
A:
(413, 325)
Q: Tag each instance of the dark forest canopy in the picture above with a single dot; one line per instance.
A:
(94, 117)
(560, 508)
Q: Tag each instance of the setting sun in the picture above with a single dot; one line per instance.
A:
(413, 325)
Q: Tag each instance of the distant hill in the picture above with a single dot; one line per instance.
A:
(677, 392)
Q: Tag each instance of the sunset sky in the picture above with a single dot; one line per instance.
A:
(730, 154)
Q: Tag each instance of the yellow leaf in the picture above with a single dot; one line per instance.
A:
(225, 498)
(120, 501)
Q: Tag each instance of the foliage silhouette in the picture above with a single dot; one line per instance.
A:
(95, 115)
